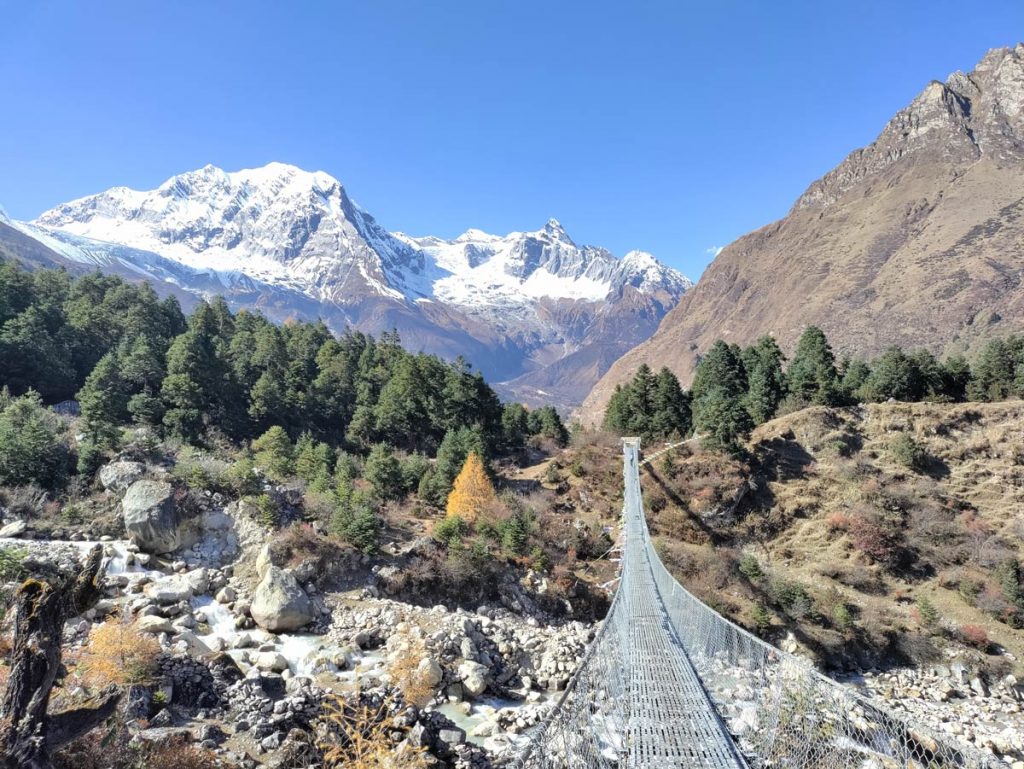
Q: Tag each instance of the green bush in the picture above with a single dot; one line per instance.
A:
(450, 530)
(927, 614)
(515, 532)
(750, 568)
(31, 451)
(908, 452)
(762, 618)
(12, 564)
(267, 511)
(842, 617)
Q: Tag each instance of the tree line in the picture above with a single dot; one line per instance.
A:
(130, 357)
(734, 389)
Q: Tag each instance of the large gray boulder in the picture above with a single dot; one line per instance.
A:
(279, 603)
(118, 476)
(151, 518)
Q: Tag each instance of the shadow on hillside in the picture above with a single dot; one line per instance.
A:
(782, 459)
(713, 536)
(522, 486)
(936, 469)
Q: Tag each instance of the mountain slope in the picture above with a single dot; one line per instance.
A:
(916, 240)
(291, 243)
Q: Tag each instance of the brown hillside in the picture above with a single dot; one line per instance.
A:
(916, 240)
(830, 517)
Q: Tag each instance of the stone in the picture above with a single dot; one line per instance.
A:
(154, 624)
(199, 579)
(272, 661)
(263, 561)
(474, 681)
(452, 736)
(279, 603)
(429, 671)
(13, 529)
(192, 644)
(169, 589)
(118, 476)
(151, 518)
(226, 594)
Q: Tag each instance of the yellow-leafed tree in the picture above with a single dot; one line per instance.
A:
(472, 491)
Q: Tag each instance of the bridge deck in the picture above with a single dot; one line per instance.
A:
(672, 722)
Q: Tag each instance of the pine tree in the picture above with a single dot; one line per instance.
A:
(811, 375)
(956, 375)
(766, 384)
(399, 413)
(719, 394)
(104, 403)
(384, 473)
(143, 373)
(274, 453)
(30, 449)
(514, 425)
(994, 372)
(313, 462)
(472, 491)
(854, 374)
(671, 408)
(546, 423)
(893, 376)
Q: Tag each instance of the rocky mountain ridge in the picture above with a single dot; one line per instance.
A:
(531, 309)
(915, 240)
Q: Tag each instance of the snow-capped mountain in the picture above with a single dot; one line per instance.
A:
(291, 243)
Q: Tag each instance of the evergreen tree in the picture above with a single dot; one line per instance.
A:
(719, 395)
(546, 423)
(472, 491)
(956, 375)
(384, 473)
(514, 425)
(104, 403)
(143, 373)
(414, 468)
(313, 461)
(182, 406)
(993, 375)
(400, 414)
(616, 415)
(766, 383)
(893, 375)
(274, 454)
(671, 408)
(30, 449)
(811, 375)
(854, 374)
(451, 456)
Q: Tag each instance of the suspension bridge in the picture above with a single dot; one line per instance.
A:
(668, 682)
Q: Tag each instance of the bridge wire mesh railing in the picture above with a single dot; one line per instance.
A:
(779, 709)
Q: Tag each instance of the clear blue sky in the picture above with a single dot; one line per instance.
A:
(669, 126)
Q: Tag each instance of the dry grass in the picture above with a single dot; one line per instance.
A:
(851, 521)
(404, 668)
(361, 738)
(118, 654)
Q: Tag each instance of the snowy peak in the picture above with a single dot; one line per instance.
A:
(486, 270)
(277, 224)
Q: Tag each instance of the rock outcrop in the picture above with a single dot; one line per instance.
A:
(151, 518)
(279, 603)
(118, 476)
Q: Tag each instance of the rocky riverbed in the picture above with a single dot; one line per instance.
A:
(252, 649)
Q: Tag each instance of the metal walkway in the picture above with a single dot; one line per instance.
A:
(672, 722)
(669, 683)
